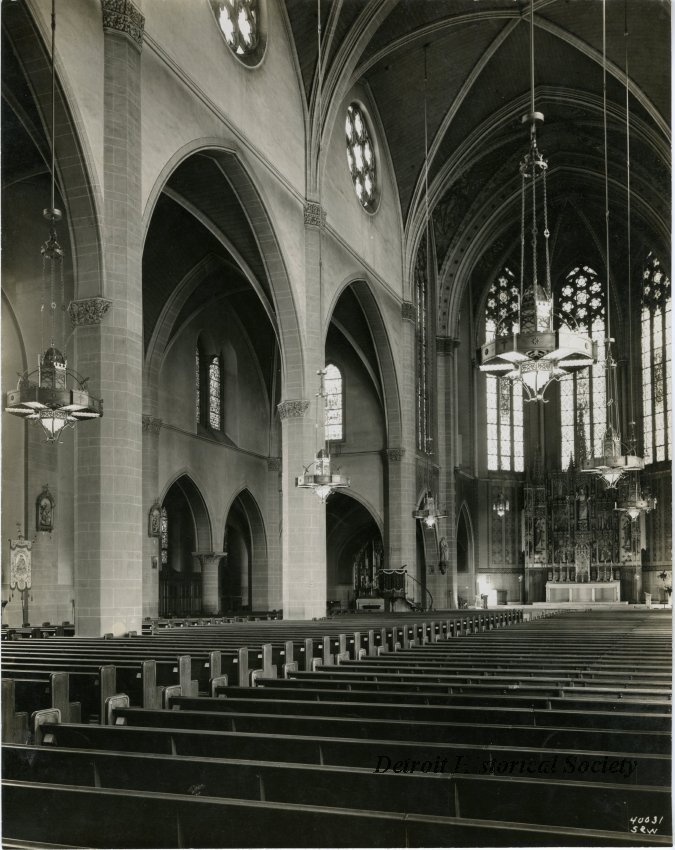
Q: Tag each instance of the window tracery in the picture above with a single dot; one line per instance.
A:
(580, 305)
(215, 393)
(239, 23)
(656, 361)
(503, 398)
(334, 409)
(361, 156)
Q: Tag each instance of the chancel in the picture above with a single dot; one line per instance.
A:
(336, 429)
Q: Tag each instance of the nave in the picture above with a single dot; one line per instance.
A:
(481, 728)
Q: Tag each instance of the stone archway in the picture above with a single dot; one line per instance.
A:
(244, 581)
(185, 530)
(354, 551)
(466, 566)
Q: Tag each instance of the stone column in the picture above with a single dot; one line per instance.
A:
(443, 586)
(400, 484)
(109, 513)
(269, 598)
(151, 427)
(303, 519)
(210, 564)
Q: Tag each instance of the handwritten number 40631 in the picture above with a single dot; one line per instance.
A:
(649, 824)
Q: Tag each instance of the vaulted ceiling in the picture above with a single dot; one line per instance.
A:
(477, 85)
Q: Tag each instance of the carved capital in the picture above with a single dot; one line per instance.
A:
(315, 215)
(151, 425)
(208, 560)
(122, 16)
(408, 312)
(395, 455)
(293, 408)
(446, 345)
(274, 464)
(88, 311)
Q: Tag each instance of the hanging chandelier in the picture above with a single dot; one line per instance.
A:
(501, 506)
(322, 480)
(53, 395)
(428, 513)
(531, 350)
(613, 464)
(634, 501)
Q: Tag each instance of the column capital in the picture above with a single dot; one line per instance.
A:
(208, 558)
(274, 464)
(408, 312)
(122, 16)
(151, 425)
(293, 408)
(395, 455)
(315, 214)
(88, 311)
(446, 345)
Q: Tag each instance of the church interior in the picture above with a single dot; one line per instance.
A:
(403, 391)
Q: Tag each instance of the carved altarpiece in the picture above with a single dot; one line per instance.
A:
(572, 533)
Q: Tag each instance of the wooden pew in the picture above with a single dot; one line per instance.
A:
(651, 768)
(87, 815)
(438, 791)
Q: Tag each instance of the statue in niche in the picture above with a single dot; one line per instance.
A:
(443, 555)
(539, 533)
(154, 520)
(582, 506)
(44, 511)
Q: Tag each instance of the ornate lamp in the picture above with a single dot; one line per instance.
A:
(635, 501)
(614, 463)
(531, 350)
(53, 395)
(501, 506)
(429, 514)
(322, 480)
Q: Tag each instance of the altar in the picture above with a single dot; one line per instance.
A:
(589, 591)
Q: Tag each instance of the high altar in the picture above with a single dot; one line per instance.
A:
(577, 547)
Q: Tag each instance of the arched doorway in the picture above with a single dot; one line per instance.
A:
(466, 578)
(243, 578)
(185, 529)
(354, 551)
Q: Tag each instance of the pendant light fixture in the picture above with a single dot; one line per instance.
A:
(321, 480)
(634, 501)
(53, 395)
(501, 506)
(428, 512)
(532, 351)
(318, 475)
(613, 464)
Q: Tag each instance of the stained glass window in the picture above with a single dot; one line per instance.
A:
(503, 398)
(238, 20)
(361, 155)
(422, 365)
(656, 359)
(164, 537)
(198, 389)
(334, 407)
(215, 393)
(580, 304)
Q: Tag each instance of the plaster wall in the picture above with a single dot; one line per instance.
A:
(375, 237)
(246, 408)
(263, 103)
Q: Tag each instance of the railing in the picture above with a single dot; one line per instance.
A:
(399, 584)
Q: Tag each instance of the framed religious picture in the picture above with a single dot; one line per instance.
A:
(20, 563)
(154, 520)
(44, 511)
